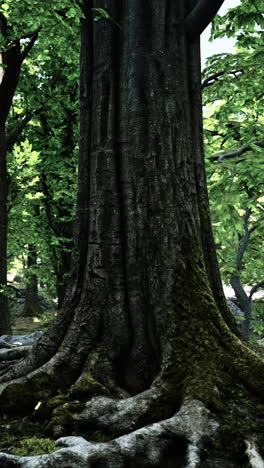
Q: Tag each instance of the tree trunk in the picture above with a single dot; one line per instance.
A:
(32, 305)
(12, 62)
(244, 303)
(144, 322)
(5, 328)
(62, 273)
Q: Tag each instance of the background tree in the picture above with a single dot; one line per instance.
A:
(145, 323)
(40, 85)
(233, 136)
(13, 55)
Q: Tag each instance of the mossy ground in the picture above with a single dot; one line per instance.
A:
(21, 436)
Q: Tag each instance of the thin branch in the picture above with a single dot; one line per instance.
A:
(13, 136)
(29, 46)
(200, 16)
(255, 224)
(243, 243)
(260, 206)
(214, 77)
(30, 34)
(211, 79)
(255, 288)
(237, 153)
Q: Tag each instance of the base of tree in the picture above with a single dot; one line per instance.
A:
(32, 309)
(102, 435)
(191, 438)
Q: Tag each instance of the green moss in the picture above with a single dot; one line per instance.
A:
(62, 409)
(63, 417)
(24, 395)
(45, 408)
(17, 428)
(87, 387)
(34, 446)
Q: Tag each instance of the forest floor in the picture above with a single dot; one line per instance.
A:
(26, 325)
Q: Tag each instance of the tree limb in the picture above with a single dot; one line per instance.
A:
(29, 46)
(200, 16)
(255, 288)
(30, 34)
(237, 153)
(255, 224)
(211, 79)
(13, 136)
(243, 243)
(3, 23)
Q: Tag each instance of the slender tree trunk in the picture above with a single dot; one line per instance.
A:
(5, 327)
(144, 322)
(32, 305)
(63, 273)
(244, 303)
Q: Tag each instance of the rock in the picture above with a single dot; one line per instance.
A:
(11, 341)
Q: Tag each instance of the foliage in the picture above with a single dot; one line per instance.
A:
(257, 324)
(42, 162)
(233, 119)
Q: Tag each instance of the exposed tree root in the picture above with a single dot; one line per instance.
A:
(14, 353)
(254, 457)
(179, 437)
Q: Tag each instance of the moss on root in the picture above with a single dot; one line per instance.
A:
(62, 420)
(20, 397)
(87, 387)
(61, 410)
(34, 446)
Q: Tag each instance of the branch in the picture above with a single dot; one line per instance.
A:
(211, 79)
(255, 288)
(243, 243)
(254, 227)
(3, 23)
(200, 16)
(29, 46)
(237, 153)
(13, 136)
(30, 34)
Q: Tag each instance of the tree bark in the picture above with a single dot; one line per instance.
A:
(32, 305)
(5, 327)
(244, 303)
(12, 62)
(144, 323)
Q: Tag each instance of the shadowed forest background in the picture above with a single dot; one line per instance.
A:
(105, 230)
